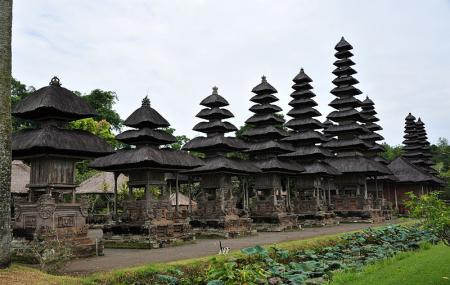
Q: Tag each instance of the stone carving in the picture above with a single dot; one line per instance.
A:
(46, 206)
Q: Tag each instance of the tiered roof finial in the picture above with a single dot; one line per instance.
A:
(55, 81)
(146, 102)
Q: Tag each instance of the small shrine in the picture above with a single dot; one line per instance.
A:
(311, 200)
(217, 212)
(52, 149)
(352, 200)
(148, 221)
(271, 207)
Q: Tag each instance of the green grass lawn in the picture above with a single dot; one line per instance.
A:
(426, 267)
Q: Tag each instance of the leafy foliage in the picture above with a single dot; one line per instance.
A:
(434, 213)
(258, 265)
(103, 102)
(391, 152)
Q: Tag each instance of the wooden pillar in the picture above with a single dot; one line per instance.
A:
(74, 196)
(246, 193)
(395, 197)
(421, 190)
(244, 200)
(190, 197)
(376, 187)
(365, 190)
(177, 204)
(329, 191)
(288, 195)
(116, 175)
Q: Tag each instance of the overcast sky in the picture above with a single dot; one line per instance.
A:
(177, 50)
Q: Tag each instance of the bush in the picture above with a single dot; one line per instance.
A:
(433, 212)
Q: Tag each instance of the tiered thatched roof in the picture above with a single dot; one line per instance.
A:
(266, 131)
(52, 106)
(412, 148)
(346, 133)
(347, 130)
(53, 102)
(422, 139)
(370, 119)
(147, 139)
(215, 145)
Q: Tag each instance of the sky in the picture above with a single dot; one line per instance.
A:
(176, 51)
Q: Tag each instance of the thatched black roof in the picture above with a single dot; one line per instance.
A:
(264, 119)
(214, 127)
(319, 168)
(265, 132)
(274, 165)
(358, 164)
(53, 102)
(54, 140)
(304, 124)
(406, 172)
(146, 116)
(265, 108)
(214, 100)
(352, 128)
(345, 102)
(215, 144)
(221, 164)
(264, 87)
(355, 143)
(146, 157)
(307, 153)
(146, 136)
(215, 113)
(309, 137)
(269, 147)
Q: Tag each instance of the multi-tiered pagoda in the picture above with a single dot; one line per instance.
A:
(351, 151)
(150, 221)
(370, 123)
(216, 204)
(52, 150)
(313, 187)
(422, 139)
(271, 205)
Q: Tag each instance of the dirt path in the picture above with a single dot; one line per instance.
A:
(120, 258)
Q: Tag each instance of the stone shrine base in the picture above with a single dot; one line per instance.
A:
(138, 235)
(231, 226)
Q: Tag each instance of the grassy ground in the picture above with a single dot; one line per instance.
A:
(426, 267)
(23, 275)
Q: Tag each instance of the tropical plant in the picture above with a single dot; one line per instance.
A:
(434, 213)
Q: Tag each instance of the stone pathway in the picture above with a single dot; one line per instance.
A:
(121, 258)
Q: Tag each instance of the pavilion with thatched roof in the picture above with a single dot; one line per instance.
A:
(150, 220)
(217, 205)
(313, 187)
(52, 150)
(270, 209)
(351, 151)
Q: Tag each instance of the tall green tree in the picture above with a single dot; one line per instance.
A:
(5, 131)
(181, 139)
(104, 101)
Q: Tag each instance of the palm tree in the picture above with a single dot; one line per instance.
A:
(5, 131)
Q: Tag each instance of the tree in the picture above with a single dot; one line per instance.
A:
(181, 140)
(391, 152)
(5, 131)
(103, 102)
(18, 92)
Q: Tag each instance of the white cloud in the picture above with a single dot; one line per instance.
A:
(177, 50)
